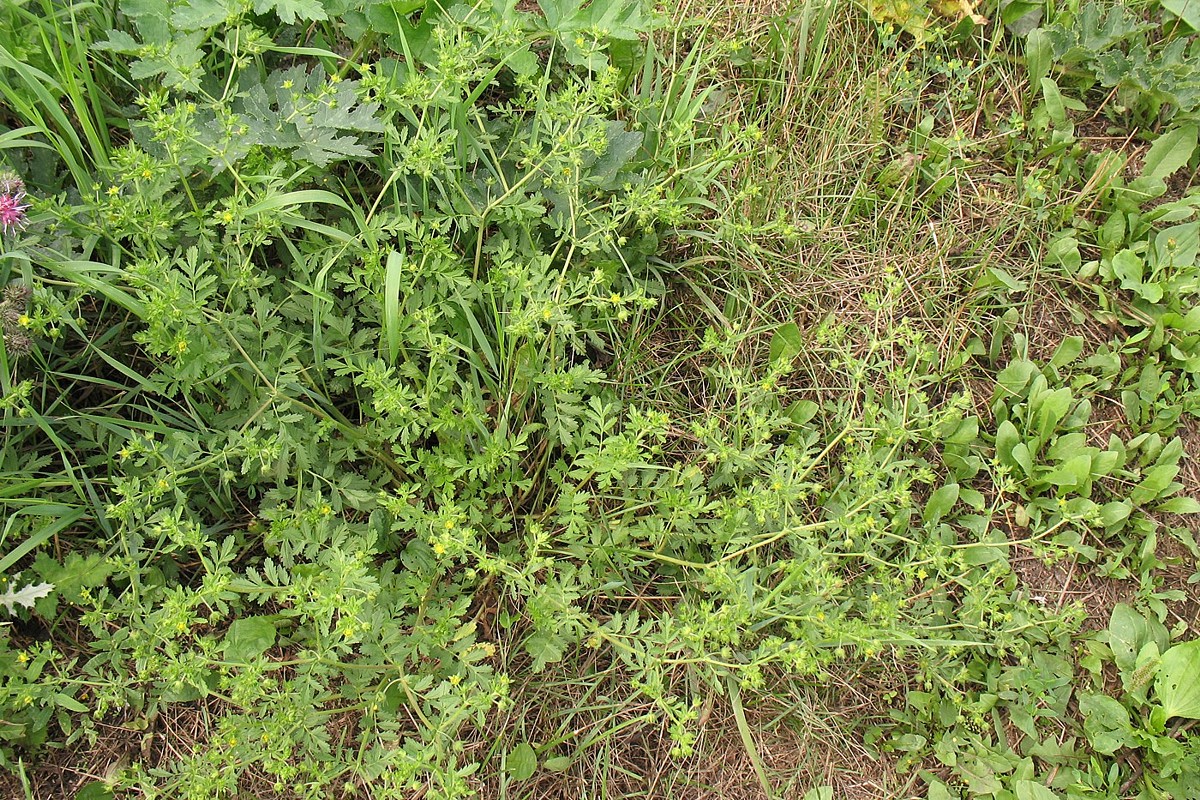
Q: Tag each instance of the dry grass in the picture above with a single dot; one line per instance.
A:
(804, 736)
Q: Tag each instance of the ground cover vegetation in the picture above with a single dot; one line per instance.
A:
(417, 399)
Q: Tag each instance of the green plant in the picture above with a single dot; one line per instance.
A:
(1114, 48)
(429, 396)
(1139, 648)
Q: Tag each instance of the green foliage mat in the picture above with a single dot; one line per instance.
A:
(323, 407)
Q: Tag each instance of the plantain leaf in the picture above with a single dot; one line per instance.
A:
(1178, 681)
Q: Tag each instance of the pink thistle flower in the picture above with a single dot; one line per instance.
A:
(12, 210)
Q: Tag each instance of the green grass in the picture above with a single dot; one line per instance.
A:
(788, 402)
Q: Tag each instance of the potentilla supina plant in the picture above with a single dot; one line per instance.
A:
(12, 209)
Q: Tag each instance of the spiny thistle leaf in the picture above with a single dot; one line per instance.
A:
(25, 596)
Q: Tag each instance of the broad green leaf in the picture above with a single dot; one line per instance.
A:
(558, 763)
(196, 14)
(1104, 462)
(1129, 634)
(1186, 10)
(118, 42)
(940, 502)
(95, 790)
(964, 432)
(402, 8)
(1023, 457)
(1157, 483)
(1172, 451)
(1001, 277)
(1170, 152)
(1177, 246)
(1007, 438)
(622, 146)
(1114, 513)
(1178, 681)
(1039, 54)
(973, 497)
(1072, 473)
(1016, 376)
(802, 411)
(819, 793)
(1129, 269)
(993, 548)
(1023, 720)
(1105, 722)
(1188, 323)
(1126, 635)
(1180, 505)
(1069, 350)
(939, 791)
(1032, 790)
(69, 703)
(1052, 407)
(276, 114)
(1054, 103)
(787, 342)
(1065, 251)
(391, 303)
(248, 638)
(979, 770)
(521, 762)
(1068, 445)
(1152, 292)
(909, 742)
